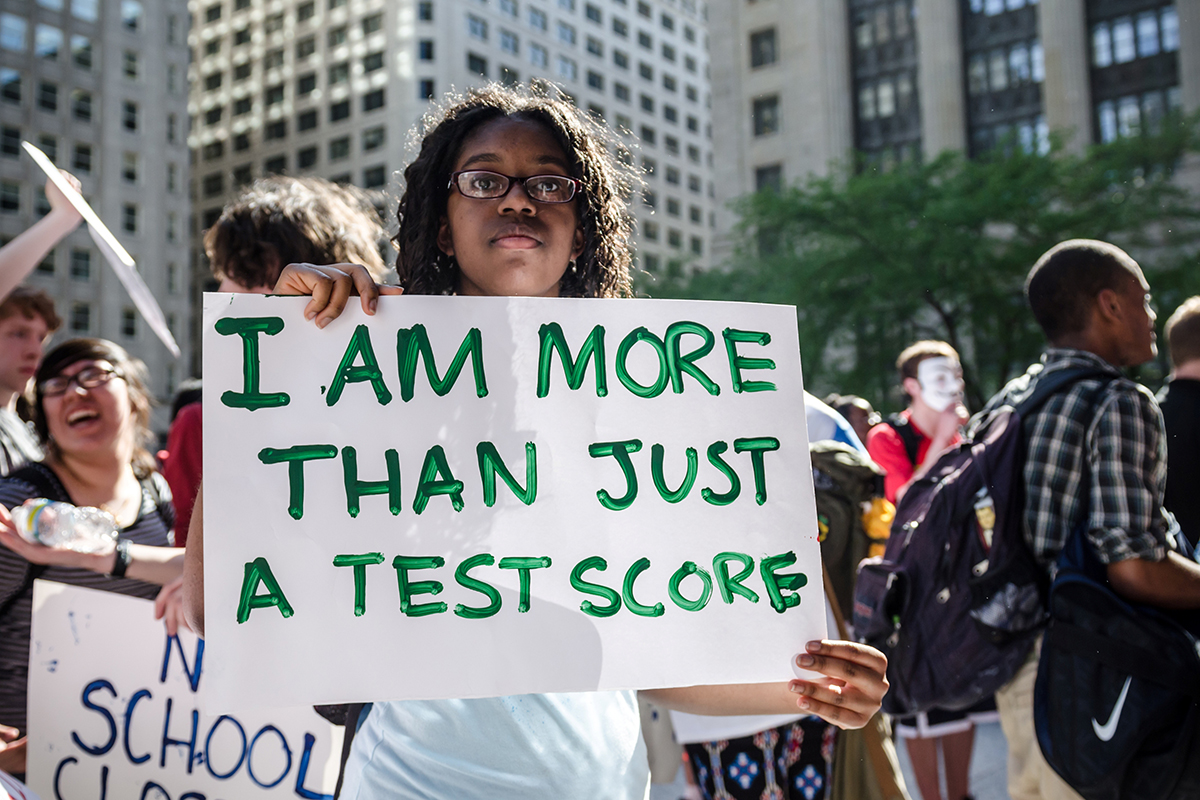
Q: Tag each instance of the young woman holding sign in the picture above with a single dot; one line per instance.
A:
(518, 195)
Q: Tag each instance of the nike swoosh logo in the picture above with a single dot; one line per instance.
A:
(1106, 731)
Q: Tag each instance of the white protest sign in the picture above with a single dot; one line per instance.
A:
(117, 256)
(13, 789)
(431, 503)
(116, 709)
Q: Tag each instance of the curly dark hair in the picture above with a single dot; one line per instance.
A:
(279, 220)
(602, 270)
(131, 370)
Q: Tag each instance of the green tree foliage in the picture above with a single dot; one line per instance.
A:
(876, 260)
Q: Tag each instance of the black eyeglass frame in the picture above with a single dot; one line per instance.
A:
(97, 376)
(575, 184)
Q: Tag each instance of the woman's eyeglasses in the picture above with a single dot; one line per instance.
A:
(480, 184)
(86, 378)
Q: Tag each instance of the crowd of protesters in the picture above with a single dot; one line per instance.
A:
(74, 426)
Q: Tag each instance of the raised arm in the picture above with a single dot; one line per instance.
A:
(22, 254)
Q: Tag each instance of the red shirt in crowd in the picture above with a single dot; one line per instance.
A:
(182, 466)
(887, 450)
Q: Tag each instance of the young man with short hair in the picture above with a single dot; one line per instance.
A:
(1180, 403)
(1095, 455)
(27, 319)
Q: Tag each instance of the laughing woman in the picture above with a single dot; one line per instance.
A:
(92, 413)
(516, 195)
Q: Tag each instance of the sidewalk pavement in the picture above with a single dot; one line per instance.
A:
(987, 769)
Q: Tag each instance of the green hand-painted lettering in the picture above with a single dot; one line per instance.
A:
(550, 338)
(737, 362)
(735, 483)
(360, 563)
(660, 482)
(660, 383)
(523, 567)
(631, 574)
(595, 589)
(355, 489)
(491, 465)
(731, 585)
(777, 584)
(295, 458)
(756, 448)
(620, 451)
(256, 572)
(476, 585)
(679, 364)
(249, 328)
(402, 564)
(413, 342)
(348, 372)
(436, 478)
(690, 568)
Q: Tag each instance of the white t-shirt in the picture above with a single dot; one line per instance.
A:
(585, 745)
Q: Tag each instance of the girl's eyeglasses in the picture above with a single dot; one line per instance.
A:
(86, 378)
(481, 184)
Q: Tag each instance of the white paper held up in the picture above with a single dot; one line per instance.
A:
(116, 255)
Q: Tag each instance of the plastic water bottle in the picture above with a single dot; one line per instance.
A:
(83, 529)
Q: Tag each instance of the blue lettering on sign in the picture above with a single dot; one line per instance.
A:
(133, 701)
(241, 756)
(167, 740)
(112, 723)
(250, 757)
(193, 672)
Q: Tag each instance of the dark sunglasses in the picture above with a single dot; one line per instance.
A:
(481, 184)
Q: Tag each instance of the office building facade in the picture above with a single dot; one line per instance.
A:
(333, 88)
(101, 87)
(885, 81)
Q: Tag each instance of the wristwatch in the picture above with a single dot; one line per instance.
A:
(121, 562)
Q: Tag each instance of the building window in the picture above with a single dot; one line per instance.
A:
(621, 92)
(12, 32)
(275, 166)
(306, 83)
(211, 117)
(81, 160)
(537, 19)
(339, 148)
(306, 120)
(10, 141)
(374, 177)
(372, 61)
(339, 111)
(477, 64)
(649, 135)
(48, 96)
(240, 37)
(273, 94)
(242, 106)
(645, 41)
(762, 48)
(273, 23)
(595, 46)
(81, 264)
(273, 59)
(129, 218)
(81, 105)
(10, 85)
(373, 138)
(275, 130)
(593, 13)
(81, 318)
(241, 142)
(425, 11)
(372, 24)
(646, 71)
(306, 47)
(509, 42)
(129, 167)
(212, 13)
(425, 89)
(48, 145)
(595, 80)
(766, 115)
(213, 81)
(213, 185)
(242, 71)
(647, 103)
(477, 27)
(47, 42)
(373, 100)
(129, 115)
(243, 176)
(306, 158)
(566, 34)
(305, 11)
(509, 8)
(538, 55)
(620, 27)
(81, 51)
(567, 69)
(508, 76)
(768, 178)
(425, 50)
(131, 14)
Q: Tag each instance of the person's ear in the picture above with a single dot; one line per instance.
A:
(445, 241)
(1109, 306)
(577, 244)
(912, 386)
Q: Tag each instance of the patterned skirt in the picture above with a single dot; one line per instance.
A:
(791, 762)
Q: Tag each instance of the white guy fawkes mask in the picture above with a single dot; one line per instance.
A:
(941, 382)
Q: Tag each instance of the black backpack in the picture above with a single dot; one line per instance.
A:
(1116, 704)
(844, 478)
(956, 602)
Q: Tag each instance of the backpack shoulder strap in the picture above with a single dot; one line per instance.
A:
(904, 429)
(155, 485)
(1047, 387)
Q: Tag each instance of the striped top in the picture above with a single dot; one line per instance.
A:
(150, 528)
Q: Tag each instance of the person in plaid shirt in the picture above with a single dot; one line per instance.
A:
(1101, 454)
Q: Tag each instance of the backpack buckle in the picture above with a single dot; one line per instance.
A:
(944, 595)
